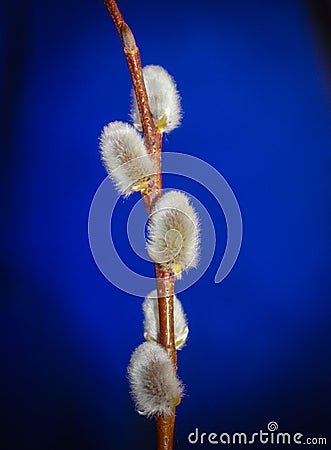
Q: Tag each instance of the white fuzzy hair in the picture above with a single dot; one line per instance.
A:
(152, 321)
(154, 385)
(163, 99)
(174, 233)
(125, 157)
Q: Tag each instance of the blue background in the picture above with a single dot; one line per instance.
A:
(253, 83)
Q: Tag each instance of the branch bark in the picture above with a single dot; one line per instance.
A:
(153, 141)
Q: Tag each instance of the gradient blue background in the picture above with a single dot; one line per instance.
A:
(253, 83)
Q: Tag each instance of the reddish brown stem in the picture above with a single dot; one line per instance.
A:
(165, 432)
(115, 15)
(165, 284)
(153, 141)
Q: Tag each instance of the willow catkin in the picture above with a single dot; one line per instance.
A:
(174, 233)
(155, 387)
(163, 99)
(125, 157)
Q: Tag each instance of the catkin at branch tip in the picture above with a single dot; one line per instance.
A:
(174, 233)
(163, 99)
(155, 387)
(125, 157)
(152, 321)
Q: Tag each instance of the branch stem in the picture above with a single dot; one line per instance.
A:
(165, 284)
(165, 432)
(153, 142)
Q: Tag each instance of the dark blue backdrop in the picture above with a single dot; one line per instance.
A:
(254, 93)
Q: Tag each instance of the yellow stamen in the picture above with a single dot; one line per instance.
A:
(177, 269)
(161, 123)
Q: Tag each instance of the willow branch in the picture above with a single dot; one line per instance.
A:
(153, 142)
(152, 136)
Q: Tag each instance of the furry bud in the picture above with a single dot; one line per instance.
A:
(152, 321)
(154, 385)
(163, 99)
(173, 233)
(125, 157)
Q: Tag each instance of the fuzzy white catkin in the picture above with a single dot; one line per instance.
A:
(125, 157)
(174, 233)
(155, 387)
(163, 99)
(152, 324)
